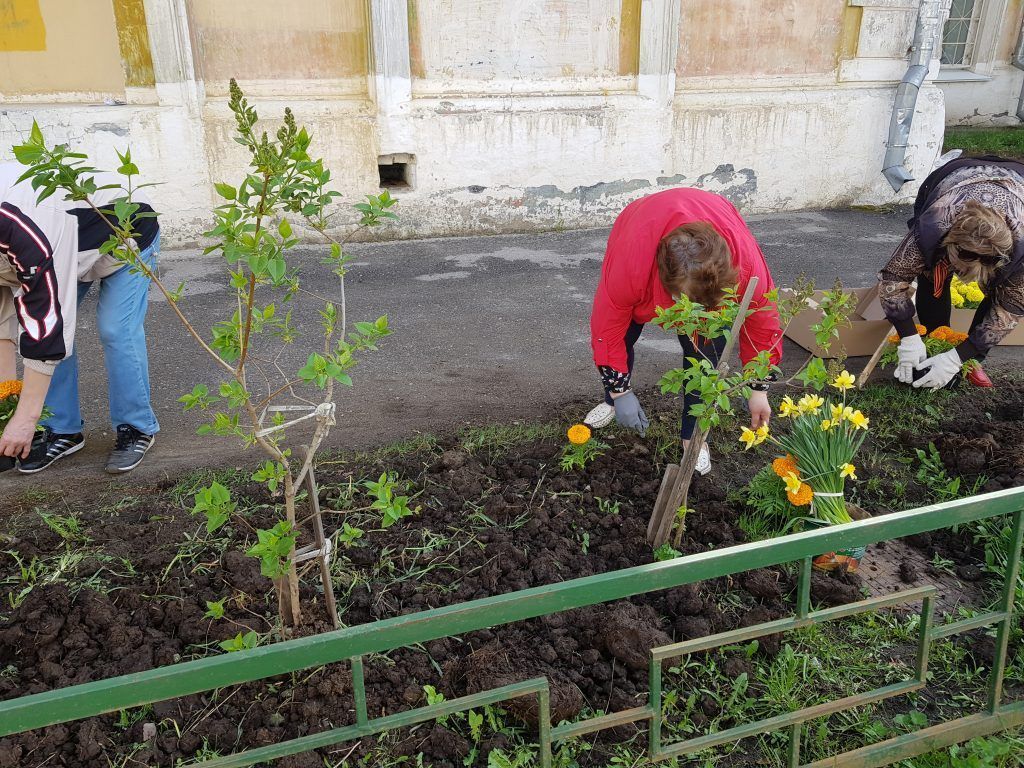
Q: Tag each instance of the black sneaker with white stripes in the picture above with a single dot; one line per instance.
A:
(47, 447)
(129, 450)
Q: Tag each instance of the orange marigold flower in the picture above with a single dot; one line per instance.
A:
(802, 497)
(785, 465)
(948, 335)
(578, 434)
(895, 338)
(9, 389)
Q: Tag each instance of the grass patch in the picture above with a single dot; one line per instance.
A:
(1007, 142)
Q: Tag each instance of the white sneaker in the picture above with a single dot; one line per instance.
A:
(703, 461)
(600, 416)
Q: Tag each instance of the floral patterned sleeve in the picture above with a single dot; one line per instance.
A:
(894, 282)
(613, 380)
(1006, 311)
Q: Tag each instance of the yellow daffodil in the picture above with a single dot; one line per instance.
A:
(859, 420)
(848, 470)
(788, 408)
(810, 404)
(827, 424)
(844, 381)
(793, 483)
(750, 438)
(840, 412)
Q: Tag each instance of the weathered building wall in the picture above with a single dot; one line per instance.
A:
(989, 93)
(525, 114)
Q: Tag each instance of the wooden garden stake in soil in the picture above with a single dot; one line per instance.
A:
(321, 542)
(872, 363)
(675, 485)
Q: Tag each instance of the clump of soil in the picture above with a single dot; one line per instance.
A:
(489, 523)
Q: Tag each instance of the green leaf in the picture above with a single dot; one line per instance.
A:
(225, 190)
(284, 229)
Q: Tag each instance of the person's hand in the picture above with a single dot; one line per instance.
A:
(911, 353)
(941, 370)
(17, 437)
(760, 409)
(629, 413)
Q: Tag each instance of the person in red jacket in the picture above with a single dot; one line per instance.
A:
(681, 241)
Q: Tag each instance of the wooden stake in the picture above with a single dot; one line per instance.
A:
(872, 363)
(675, 490)
(320, 540)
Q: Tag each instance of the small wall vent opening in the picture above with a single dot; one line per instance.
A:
(396, 171)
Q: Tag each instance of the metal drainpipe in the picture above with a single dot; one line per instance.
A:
(906, 94)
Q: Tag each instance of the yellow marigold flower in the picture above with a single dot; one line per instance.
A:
(848, 470)
(974, 293)
(957, 299)
(9, 388)
(802, 497)
(844, 381)
(793, 483)
(579, 434)
(859, 420)
(785, 465)
(810, 404)
(788, 408)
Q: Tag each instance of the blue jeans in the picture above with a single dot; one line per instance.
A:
(120, 319)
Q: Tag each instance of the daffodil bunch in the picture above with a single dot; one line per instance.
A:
(966, 295)
(819, 449)
(10, 391)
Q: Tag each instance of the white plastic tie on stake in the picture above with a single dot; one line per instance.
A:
(323, 412)
(829, 495)
(311, 552)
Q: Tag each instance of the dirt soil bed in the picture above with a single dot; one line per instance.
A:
(126, 587)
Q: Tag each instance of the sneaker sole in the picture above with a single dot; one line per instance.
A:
(121, 470)
(68, 452)
(598, 424)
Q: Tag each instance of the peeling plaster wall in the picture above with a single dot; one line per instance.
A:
(59, 50)
(515, 144)
(759, 37)
(991, 102)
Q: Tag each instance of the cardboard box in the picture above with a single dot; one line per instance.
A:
(867, 329)
(868, 326)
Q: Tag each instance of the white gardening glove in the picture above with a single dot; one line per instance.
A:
(941, 370)
(911, 354)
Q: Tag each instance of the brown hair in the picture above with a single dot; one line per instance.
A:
(979, 234)
(695, 260)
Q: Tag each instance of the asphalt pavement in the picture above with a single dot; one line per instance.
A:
(486, 329)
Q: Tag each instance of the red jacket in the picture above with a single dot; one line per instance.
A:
(630, 289)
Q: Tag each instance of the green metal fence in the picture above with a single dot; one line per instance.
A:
(354, 643)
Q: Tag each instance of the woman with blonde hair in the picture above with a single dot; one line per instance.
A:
(968, 221)
(677, 242)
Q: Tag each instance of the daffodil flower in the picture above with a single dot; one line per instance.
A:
(810, 404)
(788, 408)
(750, 438)
(840, 412)
(793, 483)
(848, 470)
(844, 381)
(859, 420)
(827, 424)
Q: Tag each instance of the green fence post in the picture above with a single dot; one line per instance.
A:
(794, 745)
(803, 601)
(995, 690)
(359, 690)
(925, 642)
(654, 697)
(544, 719)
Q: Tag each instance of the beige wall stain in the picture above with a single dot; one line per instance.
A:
(629, 37)
(21, 26)
(524, 39)
(81, 56)
(133, 38)
(266, 40)
(759, 37)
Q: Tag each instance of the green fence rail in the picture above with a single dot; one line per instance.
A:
(352, 644)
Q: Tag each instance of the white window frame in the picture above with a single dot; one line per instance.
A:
(991, 17)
